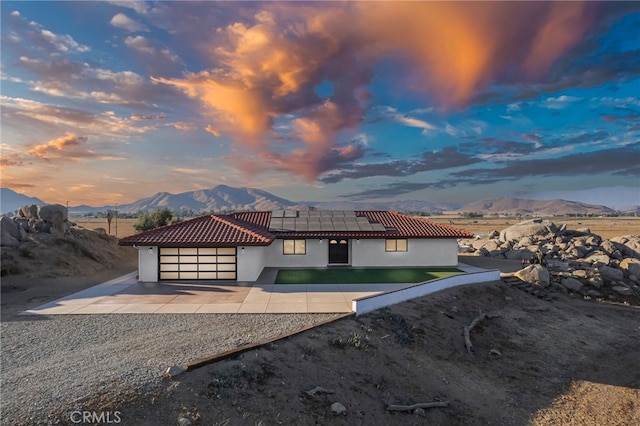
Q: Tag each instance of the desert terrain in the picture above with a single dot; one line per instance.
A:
(559, 360)
(606, 227)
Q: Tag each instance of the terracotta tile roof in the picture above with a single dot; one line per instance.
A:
(252, 228)
(204, 231)
(260, 219)
(413, 227)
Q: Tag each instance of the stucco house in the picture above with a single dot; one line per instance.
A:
(239, 246)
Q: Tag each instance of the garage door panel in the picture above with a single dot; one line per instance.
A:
(169, 275)
(188, 275)
(166, 267)
(207, 251)
(209, 263)
(208, 275)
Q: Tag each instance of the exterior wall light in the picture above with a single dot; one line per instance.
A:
(150, 250)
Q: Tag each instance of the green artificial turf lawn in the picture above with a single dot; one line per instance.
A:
(362, 275)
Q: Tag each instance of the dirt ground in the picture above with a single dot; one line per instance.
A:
(606, 227)
(561, 362)
(564, 362)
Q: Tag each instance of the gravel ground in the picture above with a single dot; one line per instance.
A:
(54, 363)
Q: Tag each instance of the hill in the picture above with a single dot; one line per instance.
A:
(11, 200)
(401, 206)
(515, 206)
(218, 198)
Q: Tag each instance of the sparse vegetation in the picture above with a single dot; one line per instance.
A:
(160, 217)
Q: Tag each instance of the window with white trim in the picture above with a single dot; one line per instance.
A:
(396, 245)
(294, 247)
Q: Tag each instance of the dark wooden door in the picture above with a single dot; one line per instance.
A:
(339, 251)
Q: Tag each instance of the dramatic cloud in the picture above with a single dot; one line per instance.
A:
(438, 160)
(271, 66)
(617, 160)
(123, 21)
(68, 146)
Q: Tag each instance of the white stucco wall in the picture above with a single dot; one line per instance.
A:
(148, 264)
(317, 255)
(250, 262)
(421, 252)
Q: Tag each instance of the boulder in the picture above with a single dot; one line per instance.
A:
(30, 211)
(528, 228)
(9, 233)
(572, 284)
(596, 281)
(338, 408)
(518, 254)
(631, 266)
(584, 230)
(611, 274)
(622, 289)
(598, 256)
(534, 274)
(55, 215)
(629, 245)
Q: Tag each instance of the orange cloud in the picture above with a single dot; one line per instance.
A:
(68, 142)
(447, 50)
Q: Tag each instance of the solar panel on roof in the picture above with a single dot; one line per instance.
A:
(365, 227)
(290, 213)
(277, 213)
(326, 226)
(378, 227)
(314, 226)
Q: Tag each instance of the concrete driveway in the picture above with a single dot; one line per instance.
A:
(125, 295)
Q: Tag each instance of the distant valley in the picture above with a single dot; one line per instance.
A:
(223, 198)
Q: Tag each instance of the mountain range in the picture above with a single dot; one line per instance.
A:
(227, 198)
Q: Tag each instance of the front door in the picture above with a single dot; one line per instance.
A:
(338, 251)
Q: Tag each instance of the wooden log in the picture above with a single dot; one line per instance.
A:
(467, 330)
(435, 404)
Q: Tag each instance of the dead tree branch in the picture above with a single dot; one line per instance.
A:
(419, 405)
(467, 330)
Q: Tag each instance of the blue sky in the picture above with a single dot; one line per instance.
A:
(109, 102)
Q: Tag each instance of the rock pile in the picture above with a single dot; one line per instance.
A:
(48, 218)
(578, 260)
(41, 242)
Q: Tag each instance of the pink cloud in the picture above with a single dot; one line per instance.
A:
(268, 67)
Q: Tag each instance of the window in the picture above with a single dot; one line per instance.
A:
(396, 245)
(294, 247)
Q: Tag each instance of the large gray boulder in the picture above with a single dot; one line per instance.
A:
(9, 233)
(572, 284)
(611, 274)
(629, 245)
(30, 211)
(55, 215)
(528, 228)
(631, 265)
(534, 274)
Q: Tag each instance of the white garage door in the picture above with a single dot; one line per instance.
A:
(211, 263)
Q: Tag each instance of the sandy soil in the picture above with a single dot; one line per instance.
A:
(563, 362)
(606, 227)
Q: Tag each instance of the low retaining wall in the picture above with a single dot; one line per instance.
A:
(371, 303)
